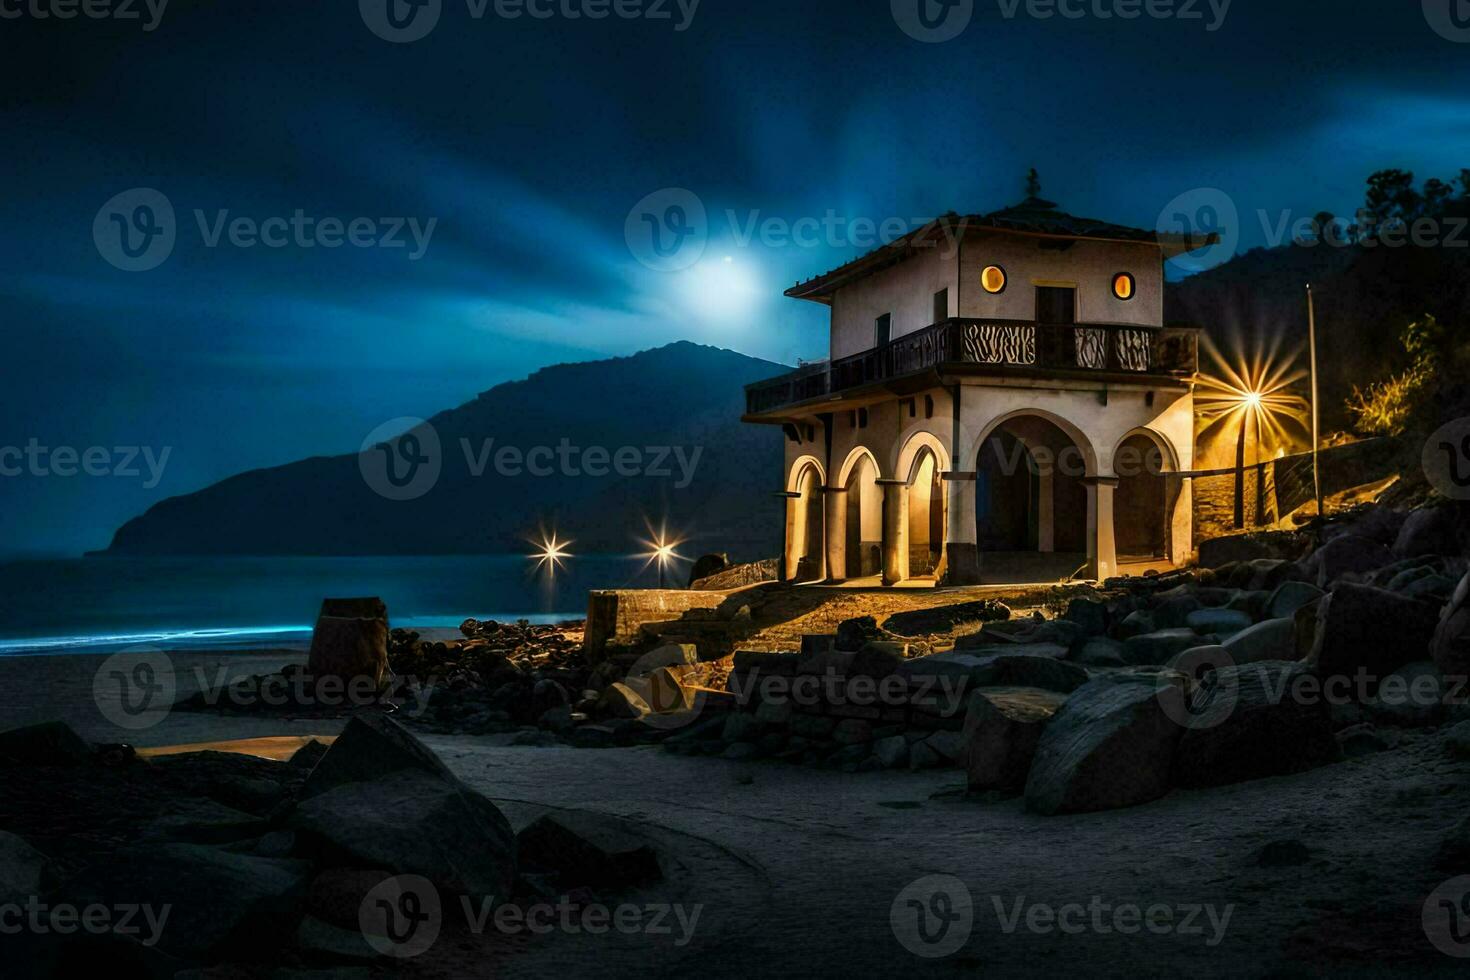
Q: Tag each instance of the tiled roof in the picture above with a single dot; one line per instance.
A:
(1032, 217)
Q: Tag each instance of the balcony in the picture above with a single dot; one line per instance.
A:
(1005, 346)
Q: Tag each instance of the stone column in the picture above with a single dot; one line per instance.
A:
(836, 533)
(960, 542)
(1102, 549)
(790, 502)
(895, 531)
(1046, 511)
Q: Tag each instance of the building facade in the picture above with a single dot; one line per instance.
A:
(1001, 396)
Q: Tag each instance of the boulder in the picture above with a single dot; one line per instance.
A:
(621, 701)
(1136, 623)
(949, 745)
(1101, 652)
(1173, 613)
(1247, 547)
(587, 850)
(414, 822)
(1090, 616)
(51, 743)
(1451, 645)
(24, 871)
(852, 731)
(1266, 574)
(371, 746)
(1028, 668)
(892, 752)
(1356, 741)
(1220, 622)
(1453, 855)
(1245, 723)
(1002, 728)
(1372, 631)
(1347, 554)
(1111, 745)
(221, 905)
(1159, 647)
(1196, 662)
(943, 619)
(1429, 531)
(1457, 740)
(707, 565)
(350, 640)
(1412, 696)
(1274, 639)
(1289, 597)
(878, 659)
(308, 755)
(854, 634)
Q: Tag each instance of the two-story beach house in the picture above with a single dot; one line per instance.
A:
(1002, 402)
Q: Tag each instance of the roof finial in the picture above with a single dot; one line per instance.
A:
(1033, 184)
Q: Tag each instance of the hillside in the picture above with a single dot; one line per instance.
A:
(682, 396)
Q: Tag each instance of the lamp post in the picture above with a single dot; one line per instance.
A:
(1316, 431)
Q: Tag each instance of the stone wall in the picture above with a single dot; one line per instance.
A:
(617, 615)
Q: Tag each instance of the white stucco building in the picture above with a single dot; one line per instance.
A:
(1001, 393)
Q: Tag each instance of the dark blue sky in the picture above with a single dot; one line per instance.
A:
(528, 141)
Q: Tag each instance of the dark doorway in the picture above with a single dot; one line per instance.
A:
(1056, 304)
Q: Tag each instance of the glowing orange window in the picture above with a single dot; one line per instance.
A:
(1123, 286)
(993, 279)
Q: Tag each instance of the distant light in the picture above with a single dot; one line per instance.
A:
(552, 553)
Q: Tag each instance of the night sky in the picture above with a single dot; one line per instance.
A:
(528, 141)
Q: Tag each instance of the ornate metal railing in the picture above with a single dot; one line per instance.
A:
(1171, 352)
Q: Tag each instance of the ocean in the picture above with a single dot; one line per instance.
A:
(97, 605)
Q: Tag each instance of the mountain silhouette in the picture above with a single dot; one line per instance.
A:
(682, 398)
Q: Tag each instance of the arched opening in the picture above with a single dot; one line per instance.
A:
(1141, 506)
(864, 551)
(1030, 500)
(925, 515)
(805, 541)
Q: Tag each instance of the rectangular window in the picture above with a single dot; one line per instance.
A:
(883, 330)
(941, 305)
(1056, 304)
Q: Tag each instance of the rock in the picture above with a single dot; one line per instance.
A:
(1246, 723)
(1136, 623)
(852, 731)
(1357, 741)
(349, 647)
(51, 743)
(1022, 668)
(1174, 612)
(1196, 662)
(1221, 622)
(557, 719)
(587, 849)
(739, 751)
(1457, 740)
(892, 752)
(878, 659)
(1288, 853)
(707, 565)
(1289, 597)
(1111, 745)
(943, 619)
(1002, 729)
(1368, 630)
(1453, 856)
(24, 871)
(1347, 554)
(1269, 573)
(335, 895)
(322, 940)
(308, 755)
(854, 634)
(619, 700)
(1411, 697)
(741, 726)
(1101, 652)
(1274, 639)
(1430, 531)
(371, 746)
(1438, 589)
(414, 822)
(1246, 547)
(923, 756)
(1090, 616)
(221, 905)
(1159, 647)
(949, 745)
(1451, 644)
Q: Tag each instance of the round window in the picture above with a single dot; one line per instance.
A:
(1123, 286)
(993, 279)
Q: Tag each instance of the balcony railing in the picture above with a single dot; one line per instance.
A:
(1019, 344)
